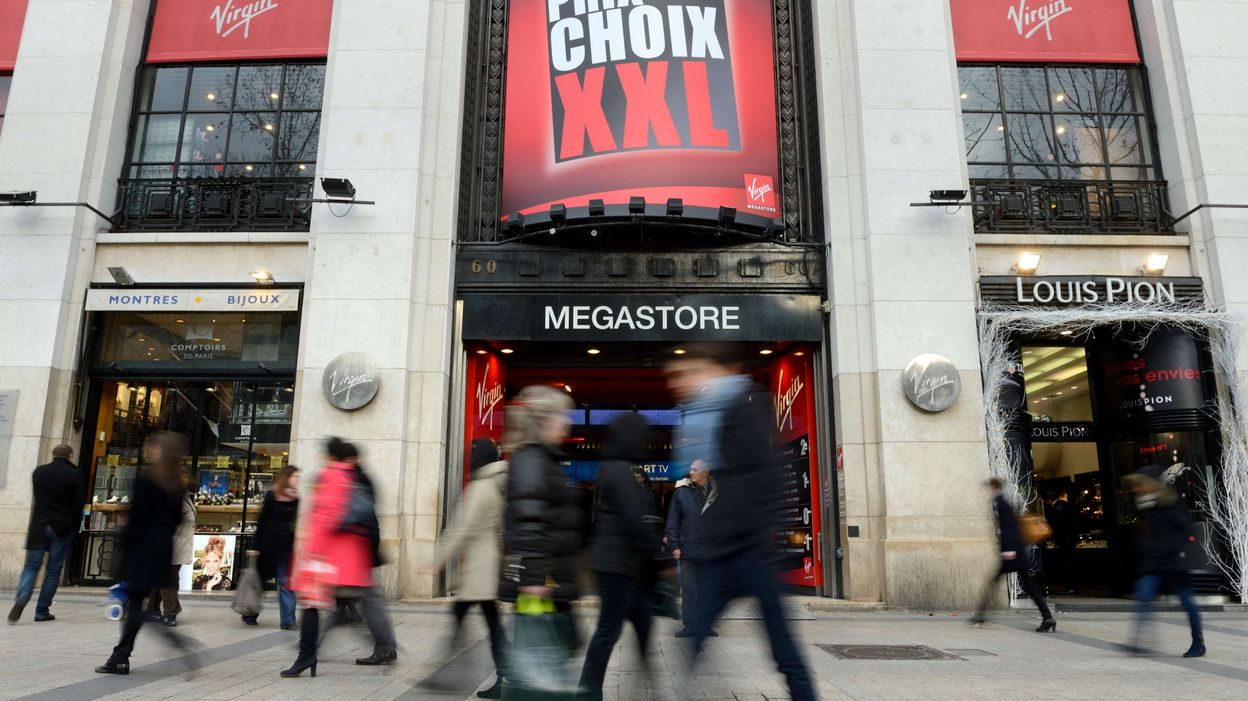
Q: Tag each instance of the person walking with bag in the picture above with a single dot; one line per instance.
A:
(336, 555)
(146, 545)
(1013, 551)
(58, 498)
(183, 554)
(622, 551)
(475, 534)
(275, 541)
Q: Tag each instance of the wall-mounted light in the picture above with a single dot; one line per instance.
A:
(120, 276)
(262, 277)
(1027, 263)
(1156, 264)
(637, 205)
(675, 207)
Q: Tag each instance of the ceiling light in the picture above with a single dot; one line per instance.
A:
(211, 96)
(1060, 97)
(1061, 129)
(568, 388)
(303, 166)
(273, 96)
(140, 340)
(1156, 264)
(1068, 333)
(1001, 127)
(1075, 387)
(800, 353)
(1027, 263)
(151, 349)
(679, 351)
(248, 168)
(181, 321)
(216, 340)
(507, 351)
(268, 127)
(481, 351)
(210, 127)
(593, 351)
(963, 96)
(1060, 393)
(766, 351)
(263, 277)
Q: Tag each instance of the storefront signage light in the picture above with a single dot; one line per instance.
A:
(134, 299)
(1110, 290)
(931, 382)
(1042, 431)
(351, 381)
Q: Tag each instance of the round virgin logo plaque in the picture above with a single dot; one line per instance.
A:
(931, 382)
(350, 381)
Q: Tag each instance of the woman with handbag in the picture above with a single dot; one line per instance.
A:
(336, 555)
(275, 540)
(1013, 552)
(622, 552)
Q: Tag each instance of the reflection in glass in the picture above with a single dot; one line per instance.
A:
(1025, 89)
(159, 137)
(1123, 144)
(979, 89)
(1079, 138)
(259, 88)
(1119, 89)
(212, 89)
(989, 171)
(252, 135)
(1030, 138)
(985, 137)
(164, 89)
(1073, 89)
(305, 85)
(297, 139)
(203, 138)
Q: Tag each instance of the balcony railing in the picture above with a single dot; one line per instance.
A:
(215, 204)
(1070, 207)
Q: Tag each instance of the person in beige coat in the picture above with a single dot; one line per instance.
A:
(183, 554)
(475, 535)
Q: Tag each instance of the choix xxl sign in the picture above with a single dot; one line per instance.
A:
(1110, 290)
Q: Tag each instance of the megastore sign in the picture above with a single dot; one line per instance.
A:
(608, 100)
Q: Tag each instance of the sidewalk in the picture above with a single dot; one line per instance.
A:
(1003, 660)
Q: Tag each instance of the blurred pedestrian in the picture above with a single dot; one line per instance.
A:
(275, 541)
(337, 551)
(541, 537)
(622, 551)
(1013, 558)
(475, 533)
(691, 497)
(146, 544)
(1164, 532)
(166, 598)
(1064, 518)
(729, 426)
(55, 515)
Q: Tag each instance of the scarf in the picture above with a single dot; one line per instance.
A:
(698, 436)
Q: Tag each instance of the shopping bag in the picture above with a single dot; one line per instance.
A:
(664, 594)
(248, 593)
(538, 665)
(318, 584)
(1034, 529)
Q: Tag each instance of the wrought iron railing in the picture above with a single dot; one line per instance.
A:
(1070, 207)
(215, 204)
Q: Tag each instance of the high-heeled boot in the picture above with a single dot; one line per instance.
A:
(303, 662)
(1048, 625)
(115, 665)
(1197, 649)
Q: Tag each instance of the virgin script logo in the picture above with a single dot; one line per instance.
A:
(1028, 20)
(487, 399)
(758, 191)
(230, 17)
(785, 402)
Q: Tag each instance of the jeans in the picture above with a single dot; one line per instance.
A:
(285, 599)
(688, 591)
(1146, 589)
(623, 598)
(1029, 585)
(498, 641)
(747, 574)
(57, 548)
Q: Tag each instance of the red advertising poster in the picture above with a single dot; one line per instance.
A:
(793, 410)
(1047, 31)
(670, 98)
(12, 17)
(222, 30)
(484, 403)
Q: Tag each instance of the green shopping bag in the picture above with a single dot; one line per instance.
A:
(539, 662)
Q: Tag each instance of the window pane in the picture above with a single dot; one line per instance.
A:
(979, 88)
(200, 171)
(985, 137)
(1082, 173)
(212, 89)
(1024, 89)
(1079, 138)
(304, 86)
(1073, 90)
(248, 170)
(296, 141)
(259, 87)
(1123, 142)
(1057, 383)
(251, 136)
(150, 172)
(159, 133)
(203, 138)
(5, 82)
(1119, 90)
(1030, 138)
(987, 171)
(164, 89)
(1023, 172)
(1122, 174)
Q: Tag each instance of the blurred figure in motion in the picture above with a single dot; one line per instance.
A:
(475, 533)
(1064, 517)
(623, 547)
(1164, 529)
(275, 541)
(541, 536)
(183, 554)
(336, 556)
(146, 546)
(58, 494)
(728, 425)
(1013, 551)
(692, 496)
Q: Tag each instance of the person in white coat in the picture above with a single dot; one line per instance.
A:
(475, 536)
(183, 554)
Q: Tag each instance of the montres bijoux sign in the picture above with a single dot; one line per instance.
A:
(931, 382)
(351, 381)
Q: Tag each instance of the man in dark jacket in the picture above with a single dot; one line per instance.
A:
(54, 519)
(1013, 553)
(731, 430)
(691, 497)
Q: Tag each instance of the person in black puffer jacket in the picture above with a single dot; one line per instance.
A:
(625, 542)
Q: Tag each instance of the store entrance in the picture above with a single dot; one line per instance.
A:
(608, 379)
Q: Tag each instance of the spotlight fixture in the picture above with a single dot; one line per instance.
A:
(568, 389)
(506, 351)
(1156, 264)
(766, 351)
(1068, 332)
(593, 351)
(597, 208)
(558, 214)
(262, 277)
(338, 188)
(946, 196)
(22, 197)
(120, 276)
(481, 351)
(679, 351)
(514, 223)
(727, 216)
(1027, 263)
(675, 207)
(637, 205)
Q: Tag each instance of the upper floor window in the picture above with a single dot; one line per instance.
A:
(5, 82)
(231, 121)
(1056, 122)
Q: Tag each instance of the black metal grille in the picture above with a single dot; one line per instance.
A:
(887, 652)
(215, 204)
(1070, 207)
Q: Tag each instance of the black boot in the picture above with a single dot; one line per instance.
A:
(1196, 650)
(115, 665)
(378, 657)
(494, 692)
(1048, 625)
(302, 663)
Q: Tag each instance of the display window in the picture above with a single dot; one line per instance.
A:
(199, 340)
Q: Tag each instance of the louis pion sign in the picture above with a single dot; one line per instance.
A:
(1098, 291)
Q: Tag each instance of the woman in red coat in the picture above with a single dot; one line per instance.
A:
(336, 554)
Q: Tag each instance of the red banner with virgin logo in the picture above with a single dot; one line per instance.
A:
(228, 30)
(662, 99)
(1044, 31)
(484, 415)
(12, 17)
(791, 379)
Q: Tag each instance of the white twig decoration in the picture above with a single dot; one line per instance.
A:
(1226, 335)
